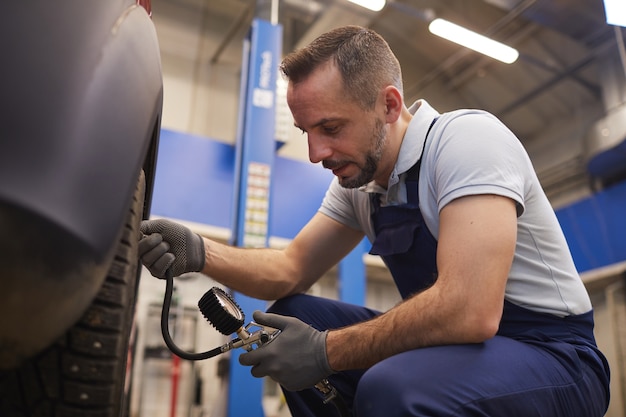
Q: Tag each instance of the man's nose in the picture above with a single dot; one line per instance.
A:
(318, 150)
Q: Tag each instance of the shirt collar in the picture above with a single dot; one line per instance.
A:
(410, 150)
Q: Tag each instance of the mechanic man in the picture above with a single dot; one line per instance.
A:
(494, 321)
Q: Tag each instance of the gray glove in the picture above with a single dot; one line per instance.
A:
(166, 244)
(296, 358)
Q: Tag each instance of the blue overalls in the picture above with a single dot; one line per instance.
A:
(537, 365)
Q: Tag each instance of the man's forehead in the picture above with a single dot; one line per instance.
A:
(326, 74)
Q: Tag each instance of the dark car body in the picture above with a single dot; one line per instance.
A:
(80, 108)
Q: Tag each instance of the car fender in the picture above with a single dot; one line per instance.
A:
(75, 137)
(80, 107)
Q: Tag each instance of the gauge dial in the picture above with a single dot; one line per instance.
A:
(221, 310)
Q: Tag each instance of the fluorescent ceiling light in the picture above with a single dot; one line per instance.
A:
(375, 5)
(615, 12)
(473, 40)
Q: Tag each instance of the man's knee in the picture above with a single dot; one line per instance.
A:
(403, 385)
(293, 306)
(321, 313)
(379, 393)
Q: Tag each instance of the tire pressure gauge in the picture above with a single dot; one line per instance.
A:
(221, 310)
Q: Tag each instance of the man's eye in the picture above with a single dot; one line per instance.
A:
(331, 129)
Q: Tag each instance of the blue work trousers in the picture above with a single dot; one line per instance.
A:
(501, 377)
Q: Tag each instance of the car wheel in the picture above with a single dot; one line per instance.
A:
(83, 373)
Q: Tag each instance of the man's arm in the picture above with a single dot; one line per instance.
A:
(271, 273)
(477, 237)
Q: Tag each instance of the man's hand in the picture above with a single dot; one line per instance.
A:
(166, 244)
(296, 358)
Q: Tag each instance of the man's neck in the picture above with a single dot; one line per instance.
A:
(395, 137)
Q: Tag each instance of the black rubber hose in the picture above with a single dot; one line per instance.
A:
(165, 314)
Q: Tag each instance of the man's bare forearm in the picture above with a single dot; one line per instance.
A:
(262, 273)
(423, 320)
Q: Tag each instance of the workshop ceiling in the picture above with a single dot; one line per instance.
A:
(562, 43)
(554, 77)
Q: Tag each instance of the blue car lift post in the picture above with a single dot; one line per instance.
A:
(253, 169)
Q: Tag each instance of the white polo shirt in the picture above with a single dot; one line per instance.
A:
(471, 152)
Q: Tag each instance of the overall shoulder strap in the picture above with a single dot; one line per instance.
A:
(413, 172)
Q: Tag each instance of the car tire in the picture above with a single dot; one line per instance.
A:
(84, 372)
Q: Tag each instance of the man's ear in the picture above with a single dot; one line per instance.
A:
(393, 103)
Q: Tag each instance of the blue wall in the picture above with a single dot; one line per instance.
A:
(194, 182)
(195, 177)
(595, 228)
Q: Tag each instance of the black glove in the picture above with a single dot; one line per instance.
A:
(296, 358)
(166, 244)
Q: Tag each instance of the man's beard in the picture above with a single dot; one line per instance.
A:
(366, 175)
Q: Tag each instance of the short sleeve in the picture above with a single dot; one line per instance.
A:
(338, 205)
(477, 154)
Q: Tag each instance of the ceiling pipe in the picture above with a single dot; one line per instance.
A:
(508, 18)
(543, 87)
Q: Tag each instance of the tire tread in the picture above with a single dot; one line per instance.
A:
(81, 375)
